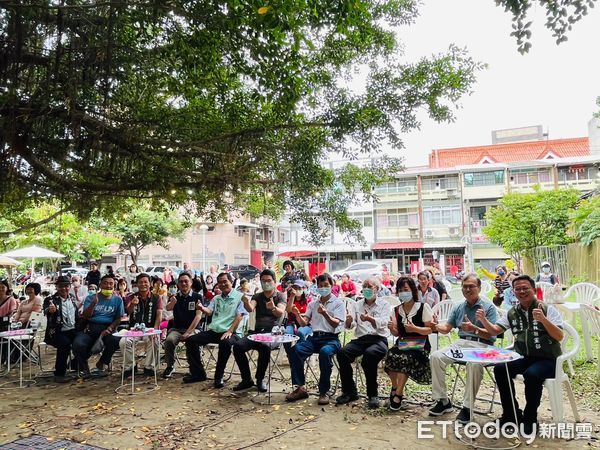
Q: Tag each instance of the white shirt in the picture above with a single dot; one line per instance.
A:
(68, 314)
(80, 294)
(380, 310)
(405, 318)
(335, 307)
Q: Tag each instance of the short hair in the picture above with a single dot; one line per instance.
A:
(524, 278)
(501, 267)
(184, 274)
(156, 279)
(287, 262)
(37, 288)
(325, 277)
(225, 274)
(472, 275)
(402, 281)
(374, 281)
(424, 273)
(143, 275)
(268, 272)
(172, 283)
(104, 277)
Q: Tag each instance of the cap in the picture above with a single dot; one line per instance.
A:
(545, 263)
(62, 280)
(299, 283)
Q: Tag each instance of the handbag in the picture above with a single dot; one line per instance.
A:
(411, 343)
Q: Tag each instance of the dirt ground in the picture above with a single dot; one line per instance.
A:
(178, 416)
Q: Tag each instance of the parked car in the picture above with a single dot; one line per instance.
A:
(246, 271)
(158, 270)
(363, 270)
(70, 271)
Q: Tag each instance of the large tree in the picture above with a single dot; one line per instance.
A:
(216, 102)
(523, 221)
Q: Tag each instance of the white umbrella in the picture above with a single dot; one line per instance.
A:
(5, 261)
(33, 252)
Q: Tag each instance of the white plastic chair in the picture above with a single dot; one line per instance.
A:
(486, 288)
(546, 289)
(561, 379)
(442, 311)
(585, 294)
(393, 301)
(592, 314)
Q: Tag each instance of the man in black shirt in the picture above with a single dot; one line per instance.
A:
(186, 319)
(270, 308)
(93, 276)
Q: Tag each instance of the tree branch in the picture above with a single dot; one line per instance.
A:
(31, 226)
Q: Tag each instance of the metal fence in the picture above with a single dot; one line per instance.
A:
(556, 256)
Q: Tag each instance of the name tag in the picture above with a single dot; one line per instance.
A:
(191, 306)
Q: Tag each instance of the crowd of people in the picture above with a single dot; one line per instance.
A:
(197, 309)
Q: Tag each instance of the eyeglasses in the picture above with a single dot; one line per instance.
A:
(525, 289)
(468, 287)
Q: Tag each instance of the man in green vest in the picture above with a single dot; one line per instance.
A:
(142, 307)
(536, 327)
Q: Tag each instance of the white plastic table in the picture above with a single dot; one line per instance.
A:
(272, 341)
(487, 356)
(137, 335)
(15, 339)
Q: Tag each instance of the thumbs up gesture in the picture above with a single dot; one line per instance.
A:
(467, 325)
(410, 327)
(270, 305)
(321, 309)
(538, 314)
(52, 307)
(135, 300)
(480, 314)
(364, 317)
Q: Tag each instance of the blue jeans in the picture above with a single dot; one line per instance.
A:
(326, 347)
(302, 332)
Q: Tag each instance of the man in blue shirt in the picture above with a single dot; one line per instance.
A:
(472, 334)
(103, 312)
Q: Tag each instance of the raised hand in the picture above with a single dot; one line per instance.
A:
(538, 314)
(135, 300)
(467, 325)
(270, 305)
(410, 327)
(364, 317)
(52, 307)
(321, 309)
(480, 314)
(391, 325)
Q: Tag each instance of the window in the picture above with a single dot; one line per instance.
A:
(393, 218)
(394, 187)
(440, 215)
(577, 173)
(364, 218)
(435, 183)
(528, 176)
(484, 178)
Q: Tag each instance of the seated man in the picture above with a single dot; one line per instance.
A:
(536, 327)
(185, 306)
(270, 308)
(371, 316)
(226, 311)
(61, 311)
(102, 313)
(462, 316)
(142, 307)
(326, 317)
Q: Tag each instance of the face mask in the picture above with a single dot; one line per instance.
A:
(368, 293)
(404, 296)
(135, 290)
(173, 291)
(324, 291)
(106, 292)
(546, 269)
(501, 273)
(92, 291)
(267, 285)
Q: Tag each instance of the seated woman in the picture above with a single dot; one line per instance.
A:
(33, 303)
(8, 304)
(409, 358)
(296, 305)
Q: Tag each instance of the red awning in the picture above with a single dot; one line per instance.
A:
(298, 253)
(397, 245)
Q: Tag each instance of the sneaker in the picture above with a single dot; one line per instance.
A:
(168, 373)
(261, 386)
(440, 408)
(464, 416)
(529, 427)
(373, 402)
(323, 400)
(219, 383)
(396, 405)
(346, 398)
(243, 385)
(298, 394)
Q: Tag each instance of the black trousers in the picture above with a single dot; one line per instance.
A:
(192, 350)
(535, 372)
(63, 343)
(241, 347)
(373, 349)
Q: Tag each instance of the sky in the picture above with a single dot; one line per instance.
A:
(553, 86)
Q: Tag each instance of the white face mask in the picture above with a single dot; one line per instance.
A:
(267, 285)
(135, 290)
(404, 296)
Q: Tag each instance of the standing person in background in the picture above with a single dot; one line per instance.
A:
(132, 273)
(167, 275)
(289, 275)
(546, 274)
(501, 283)
(110, 272)
(79, 292)
(427, 294)
(93, 276)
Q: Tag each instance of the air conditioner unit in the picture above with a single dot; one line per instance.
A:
(429, 234)
(414, 232)
(452, 193)
(453, 231)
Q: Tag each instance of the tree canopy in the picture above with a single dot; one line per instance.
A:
(586, 220)
(523, 221)
(213, 103)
